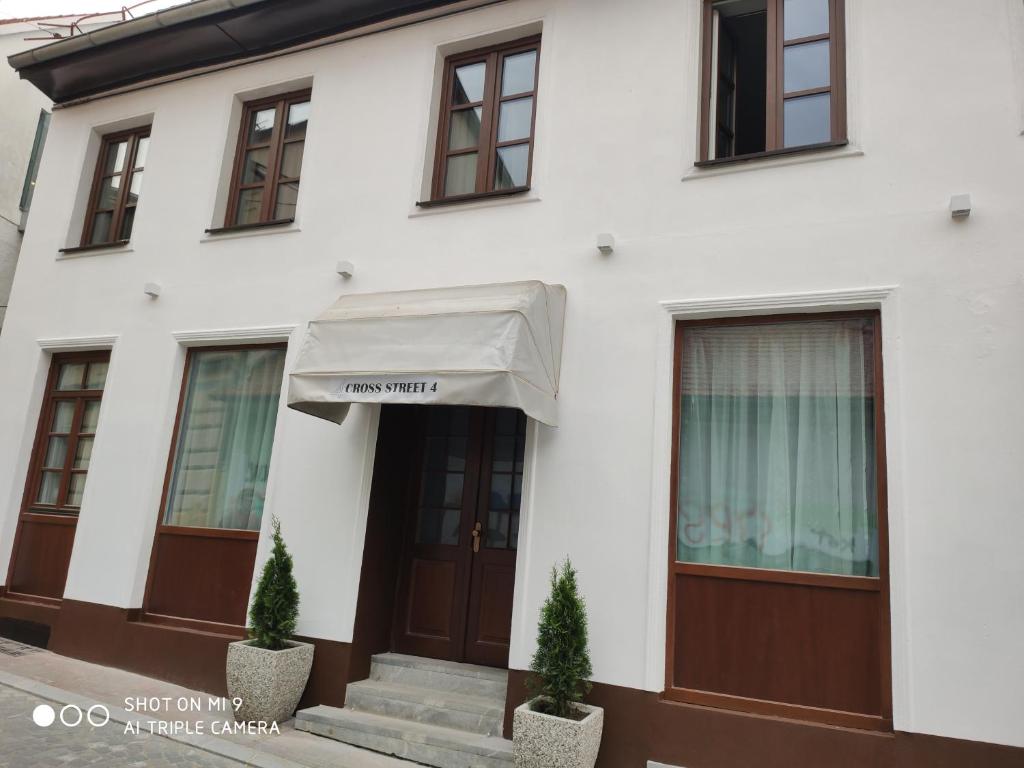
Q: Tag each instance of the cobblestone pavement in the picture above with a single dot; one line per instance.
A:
(23, 744)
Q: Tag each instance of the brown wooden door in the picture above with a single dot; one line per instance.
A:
(458, 574)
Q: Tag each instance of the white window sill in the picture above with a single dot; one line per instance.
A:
(472, 205)
(772, 162)
(255, 232)
(91, 252)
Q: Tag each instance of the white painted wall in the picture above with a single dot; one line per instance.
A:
(935, 108)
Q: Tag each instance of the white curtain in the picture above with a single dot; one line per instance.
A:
(226, 437)
(777, 460)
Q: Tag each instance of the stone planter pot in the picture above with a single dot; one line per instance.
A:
(269, 683)
(546, 741)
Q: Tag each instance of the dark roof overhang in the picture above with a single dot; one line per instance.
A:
(200, 34)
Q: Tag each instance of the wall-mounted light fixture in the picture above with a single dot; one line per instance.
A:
(605, 243)
(346, 269)
(152, 290)
(960, 206)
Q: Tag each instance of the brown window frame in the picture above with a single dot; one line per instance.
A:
(133, 136)
(487, 149)
(196, 532)
(874, 584)
(776, 97)
(281, 103)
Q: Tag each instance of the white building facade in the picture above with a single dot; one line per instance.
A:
(204, 297)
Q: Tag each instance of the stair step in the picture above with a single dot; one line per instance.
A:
(483, 715)
(427, 744)
(438, 675)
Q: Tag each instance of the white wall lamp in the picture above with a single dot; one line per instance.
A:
(152, 290)
(605, 243)
(346, 269)
(960, 206)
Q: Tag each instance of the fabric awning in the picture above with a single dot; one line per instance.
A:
(491, 345)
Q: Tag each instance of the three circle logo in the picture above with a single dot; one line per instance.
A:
(71, 715)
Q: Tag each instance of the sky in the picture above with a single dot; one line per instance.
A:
(19, 9)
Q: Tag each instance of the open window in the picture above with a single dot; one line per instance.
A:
(116, 188)
(773, 77)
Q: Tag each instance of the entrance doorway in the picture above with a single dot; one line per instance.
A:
(460, 535)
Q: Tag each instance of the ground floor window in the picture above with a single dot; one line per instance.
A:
(778, 572)
(216, 485)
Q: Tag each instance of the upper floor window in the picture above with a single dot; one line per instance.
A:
(773, 76)
(265, 180)
(116, 187)
(485, 136)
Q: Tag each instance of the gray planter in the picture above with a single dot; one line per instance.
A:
(269, 683)
(546, 741)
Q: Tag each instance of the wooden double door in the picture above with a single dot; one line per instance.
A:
(458, 565)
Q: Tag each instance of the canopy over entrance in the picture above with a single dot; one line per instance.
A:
(491, 345)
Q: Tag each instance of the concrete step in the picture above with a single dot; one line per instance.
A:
(421, 743)
(477, 714)
(436, 675)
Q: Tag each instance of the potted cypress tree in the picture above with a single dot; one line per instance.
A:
(269, 671)
(554, 729)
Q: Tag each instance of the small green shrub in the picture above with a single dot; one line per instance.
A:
(275, 609)
(561, 666)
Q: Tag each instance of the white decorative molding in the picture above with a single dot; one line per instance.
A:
(77, 343)
(209, 338)
(851, 298)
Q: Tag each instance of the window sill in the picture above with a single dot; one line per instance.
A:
(475, 201)
(118, 246)
(250, 230)
(774, 159)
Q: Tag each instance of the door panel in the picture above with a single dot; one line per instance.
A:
(456, 589)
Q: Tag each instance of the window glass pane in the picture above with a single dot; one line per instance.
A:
(141, 152)
(515, 119)
(497, 530)
(76, 487)
(83, 453)
(803, 18)
(97, 375)
(453, 490)
(806, 66)
(808, 120)
(438, 526)
(226, 434)
(127, 222)
(250, 201)
(518, 73)
(101, 228)
(513, 534)
(134, 187)
(115, 157)
(777, 447)
(510, 166)
(457, 454)
(254, 168)
(49, 487)
(91, 416)
(460, 177)
(464, 128)
(110, 190)
(501, 491)
(261, 126)
(504, 454)
(70, 376)
(63, 415)
(298, 118)
(56, 453)
(291, 160)
(287, 196)
(469, 83)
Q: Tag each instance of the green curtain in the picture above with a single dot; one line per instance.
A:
(777, 459)
(225, 439)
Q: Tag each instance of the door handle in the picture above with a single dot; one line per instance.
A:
(476, 536)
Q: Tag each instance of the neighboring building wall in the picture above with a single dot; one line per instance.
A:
(933, 111)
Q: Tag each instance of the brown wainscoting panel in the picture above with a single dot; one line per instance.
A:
(796, 644)
(43, 554)
(199, 577)
(330, 673)
(641, 726)
(497, 584)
